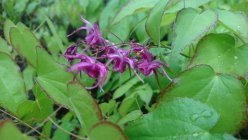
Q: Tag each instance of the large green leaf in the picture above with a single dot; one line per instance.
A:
(238, 24)
(190, 26)
(106, 131)
(220, 52)
(222, 92)
(180, 118)
(132, 7)
(154, 20)
(12, 87)
(8, 131)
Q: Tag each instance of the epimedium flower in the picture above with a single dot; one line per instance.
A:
(93, 69)
(94, 36)
(104, 50)
(147, 65)
(70, 53)
(147, 68)
(121, 59)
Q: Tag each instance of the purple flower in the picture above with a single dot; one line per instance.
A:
(148, 67)
(70, 53)
(94, 37)
(141, 50)
(93, 69)
(121, 58)
(106, 51)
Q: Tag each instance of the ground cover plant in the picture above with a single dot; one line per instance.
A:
(123, 69)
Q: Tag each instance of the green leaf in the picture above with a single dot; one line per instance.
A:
(120, 32)
(108, 108)
(133, 115)
(130, 103)
(8, 131)
(132, 7)
(108, 14)
(181, 4)
(154, 20)
(223, 93)
(72, 96)
(140, 30)
(37, 110)
(238, 24)
(125, 87)
(4, 46)
(106, 131)
(190, 26)
(24, 43)
(220, 52)
(12, 87)
(69, 124)
(28, 76)
(85, 107)
(56, 36)
(180, 118)
(7, 25)
(145, 93)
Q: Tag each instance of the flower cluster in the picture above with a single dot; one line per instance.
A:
(104, 53)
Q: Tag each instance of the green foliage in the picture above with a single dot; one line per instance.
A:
(8, 131)
(12, 86)
(222, 53)
(167, 122)
(215, 90)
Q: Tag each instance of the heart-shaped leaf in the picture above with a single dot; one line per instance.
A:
(180, 118)
(222, 92)
(220, 52)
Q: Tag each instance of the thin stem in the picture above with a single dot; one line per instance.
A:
(24, 123)
(35, 128)
(72, 134)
